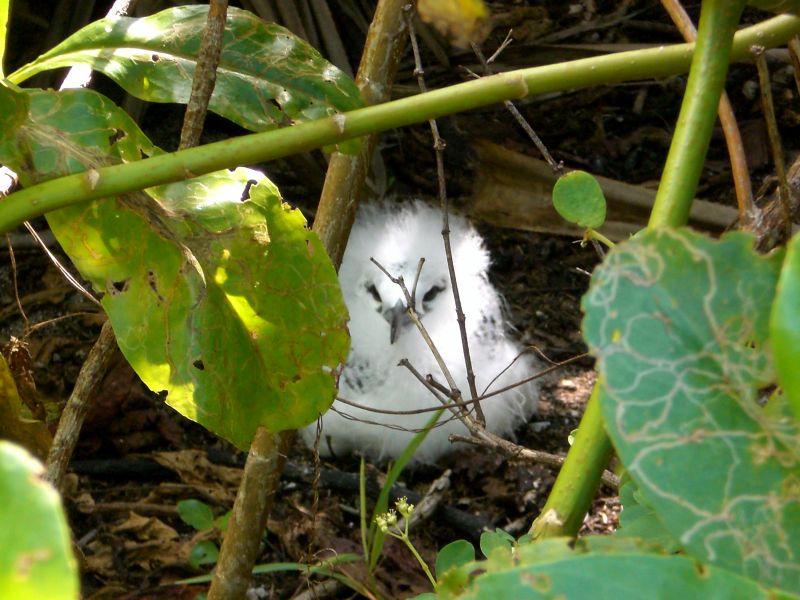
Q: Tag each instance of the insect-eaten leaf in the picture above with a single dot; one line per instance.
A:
(221, 299)
(679, 323)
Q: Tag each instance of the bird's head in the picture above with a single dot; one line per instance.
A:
(397, 239)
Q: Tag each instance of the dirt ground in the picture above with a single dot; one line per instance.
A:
(137, 457)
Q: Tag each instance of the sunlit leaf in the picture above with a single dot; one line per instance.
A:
(267, 76)
(218, 293)
(36, 559)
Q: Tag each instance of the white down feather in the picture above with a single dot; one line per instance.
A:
(397, 236)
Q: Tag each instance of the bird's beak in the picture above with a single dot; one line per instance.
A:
(398, 318)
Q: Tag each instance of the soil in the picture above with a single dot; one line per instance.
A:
(137, 457)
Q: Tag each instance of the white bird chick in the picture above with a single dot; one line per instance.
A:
(382, 334)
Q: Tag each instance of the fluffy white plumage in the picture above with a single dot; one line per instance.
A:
(397, 236)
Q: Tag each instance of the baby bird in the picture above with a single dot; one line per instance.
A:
(397, 236)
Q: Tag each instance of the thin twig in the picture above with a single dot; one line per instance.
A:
(439, 146)
(457, 408)
(71, 421)
(205, 74)
(412, 313)
(516, 452)
(71, 279)
(497, 392)
(768, 109)
(16, 286)
(558, 168)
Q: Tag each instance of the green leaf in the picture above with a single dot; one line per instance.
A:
(67, 132)
(16, 421)
(231, 307)
(679, 325)
(604, 569)
(36, 559)
(491, 540)
(454, 554)
(267, 76)
(5, 6)
(203, 553)
(195, 513)
(785, 326)
(579, 199)
(13, 112)
(639, 520)
(221, 522)
(777, 6)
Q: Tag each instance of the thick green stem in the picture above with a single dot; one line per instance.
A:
(687, 153)
(579, 478)
(118, 179)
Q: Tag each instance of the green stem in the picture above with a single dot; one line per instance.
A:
(403, 536)
(687, 153)
(593, 234)
(5, 9)
(119, 179)
(579, 478)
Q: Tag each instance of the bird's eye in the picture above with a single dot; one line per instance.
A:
(432, 293)
(374, 292)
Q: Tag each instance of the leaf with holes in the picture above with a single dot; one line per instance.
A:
(218, 293)
(679, 324)
(267, 76)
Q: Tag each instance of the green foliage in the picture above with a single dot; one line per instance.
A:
(267, 76)
(777, 6)
(221, 297)
(202, 553)
(785, 326)
(578, 198)
(491, 540)
(454, 554)
(232, 307)
(679, 323)
(196, 514)
(5, 7)
(639, 520)
(36, 559)
(596, 568)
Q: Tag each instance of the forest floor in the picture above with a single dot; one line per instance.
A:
(137, 457)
